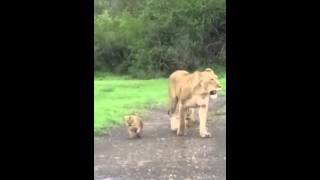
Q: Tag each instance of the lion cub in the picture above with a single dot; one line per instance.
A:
(134, 124)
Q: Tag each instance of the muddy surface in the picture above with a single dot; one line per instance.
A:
(160, 154)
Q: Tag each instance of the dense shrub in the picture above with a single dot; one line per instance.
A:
(149, 38)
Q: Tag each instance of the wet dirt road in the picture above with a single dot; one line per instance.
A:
(160, 154)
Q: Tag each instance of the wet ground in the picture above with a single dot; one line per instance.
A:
(160, 154)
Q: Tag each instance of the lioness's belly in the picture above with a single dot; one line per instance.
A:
(197, 101)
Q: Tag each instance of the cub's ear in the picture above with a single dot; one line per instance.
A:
(126, 118)
(209, 70)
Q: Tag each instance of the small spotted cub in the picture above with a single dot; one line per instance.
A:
(135, 125)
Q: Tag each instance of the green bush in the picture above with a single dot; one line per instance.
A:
(151, 38)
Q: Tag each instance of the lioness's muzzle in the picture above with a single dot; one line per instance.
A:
(213, 92)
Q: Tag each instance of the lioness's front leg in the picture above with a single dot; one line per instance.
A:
(203, 111)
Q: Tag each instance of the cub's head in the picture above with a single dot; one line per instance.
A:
(209, 82)
(131, 120)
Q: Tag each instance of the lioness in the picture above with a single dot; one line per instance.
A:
(134, 125)
(188, 91)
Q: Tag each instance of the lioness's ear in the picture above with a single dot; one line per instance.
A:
(209, 70)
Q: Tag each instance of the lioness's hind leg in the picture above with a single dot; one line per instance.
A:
(193, 115)
(181, 128)
(173, 106)
(174, 118)
(190, 117)
(174, 122)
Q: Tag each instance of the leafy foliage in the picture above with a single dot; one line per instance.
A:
(148, 38)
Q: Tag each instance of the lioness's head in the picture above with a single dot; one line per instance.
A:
(209, 81)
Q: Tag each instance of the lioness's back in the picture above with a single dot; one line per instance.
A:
(178, 74)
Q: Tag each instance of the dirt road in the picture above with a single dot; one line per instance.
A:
(160, 154)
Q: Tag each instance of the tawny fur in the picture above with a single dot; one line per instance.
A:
(134, 126)
(188, 92)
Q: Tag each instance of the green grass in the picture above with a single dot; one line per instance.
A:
(116, 96)
(223, 80)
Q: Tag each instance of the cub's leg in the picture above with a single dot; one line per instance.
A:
(132, 134)
(139, 132)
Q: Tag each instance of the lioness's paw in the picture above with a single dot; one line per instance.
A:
(180, 133)
(174, 129)
(205, 135)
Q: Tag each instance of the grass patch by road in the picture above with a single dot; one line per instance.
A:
(116, 96)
